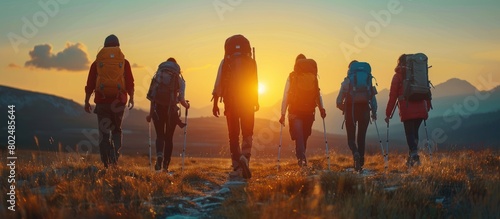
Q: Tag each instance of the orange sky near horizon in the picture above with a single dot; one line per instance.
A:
(465, 47)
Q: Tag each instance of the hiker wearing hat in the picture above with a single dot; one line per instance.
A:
(110, 79)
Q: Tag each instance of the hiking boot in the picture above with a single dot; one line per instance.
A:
(357, 162)
(244, 164)
(236, 173)
(302, 163)
(159, 161)
(413, 160)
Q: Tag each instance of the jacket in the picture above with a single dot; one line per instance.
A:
(407, 109)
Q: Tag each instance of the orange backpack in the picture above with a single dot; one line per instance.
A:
(110, 63)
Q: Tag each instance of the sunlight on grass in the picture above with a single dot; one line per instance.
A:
(56, 185)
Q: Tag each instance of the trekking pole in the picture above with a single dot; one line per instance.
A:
(149, 141)
(279, 147)
(326, 144)
(185, 135)
(386, 157)
(324, 131)
(384, 154)
(428, 144)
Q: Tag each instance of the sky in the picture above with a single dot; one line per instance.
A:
(48, 45)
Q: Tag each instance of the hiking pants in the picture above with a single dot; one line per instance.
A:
(109, 119)
(240, 118)
(300, 130)
(411, 132)
(165, 119)
(360, 117)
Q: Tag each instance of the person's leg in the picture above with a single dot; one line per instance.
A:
(308, 121)
(160, 126)
(233, 126)
(117, 111)
(247, 126)
(350, 128)
(298, 128)
(169, 134)
(363, 118)
(411, 139)
(411, 135)
(103, 124)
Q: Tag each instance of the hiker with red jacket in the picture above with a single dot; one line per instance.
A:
(110, 78)
(301, 97)
(412, 113)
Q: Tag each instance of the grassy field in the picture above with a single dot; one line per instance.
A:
(461, 184)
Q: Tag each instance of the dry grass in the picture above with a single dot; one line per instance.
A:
(461, 184)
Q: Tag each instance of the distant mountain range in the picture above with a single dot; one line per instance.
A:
(460, 118)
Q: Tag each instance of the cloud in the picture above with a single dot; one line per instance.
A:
(73, 58)
(13, 65)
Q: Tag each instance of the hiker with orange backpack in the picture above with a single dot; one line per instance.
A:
(356, 99)
(110, 78)
(166, 91)
(301, 97)
(410, 88)
(237, 86)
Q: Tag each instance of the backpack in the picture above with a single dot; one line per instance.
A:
(360, 82)
(304, 88)
(239, 72)
(165, 84)
(416, 84)
(110, 63)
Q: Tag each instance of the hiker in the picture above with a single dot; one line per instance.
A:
(411, 112)
(301, 96)
(110, 78)
(356, 99)
(167, 89)
(237, 86)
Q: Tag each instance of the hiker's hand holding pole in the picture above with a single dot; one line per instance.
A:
(282, 119)
(148, 118)
(387, 120)
(322, 112)
(256, 107)
(374, 117)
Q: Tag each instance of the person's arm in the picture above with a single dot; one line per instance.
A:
(90, 87)
(217, 91)
(182, 91)
(373, 103)
(284, 102)
(319, 103)
(151, 111)
(256, 89)
(393, 96)
(344, 88)
(129, 84)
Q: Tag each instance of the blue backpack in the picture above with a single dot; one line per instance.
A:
(360, 82)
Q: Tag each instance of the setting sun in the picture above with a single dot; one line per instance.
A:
(262, 88)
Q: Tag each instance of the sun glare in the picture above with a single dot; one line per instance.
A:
(262, 88)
